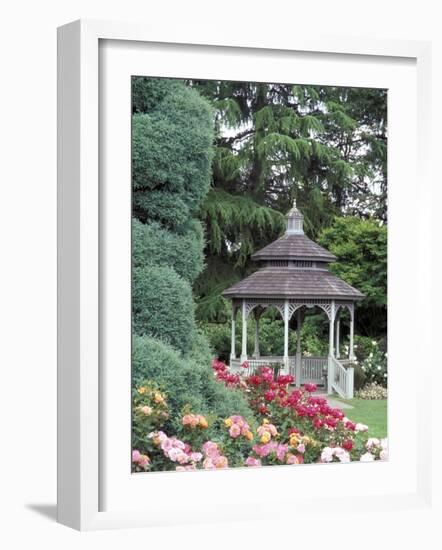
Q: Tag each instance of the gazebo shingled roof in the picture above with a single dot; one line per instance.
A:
(296, 268)
(293, 246)
(287, 282)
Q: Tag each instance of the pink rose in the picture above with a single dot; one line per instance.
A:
(143, 461)
(234, 430)
(182, 458)
(166, 445)
(301, 448)
(196, 457)
(280, 451)
(136, 456)
(174, 453)
(187, 420)
(211, 449)
(253, 462)
(208, 464)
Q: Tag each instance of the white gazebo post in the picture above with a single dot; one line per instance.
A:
(244, 332)
(256, 350)
(232, 347)
(352, 321)
(330, 347)
(286, 337)
(338, 327)
(298, 349)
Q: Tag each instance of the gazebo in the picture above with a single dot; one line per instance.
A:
(294, 277)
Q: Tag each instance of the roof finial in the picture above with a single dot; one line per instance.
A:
(295, 221)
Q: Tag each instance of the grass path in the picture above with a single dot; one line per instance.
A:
(370, 412)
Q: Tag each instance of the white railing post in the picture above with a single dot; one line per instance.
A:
(233, 336)
(338, 327)
(298, 363)
(286, 336)
(330, 375)
(352, 323)
(244, 332)
(330, 348)
(256, 351)
(350, 383)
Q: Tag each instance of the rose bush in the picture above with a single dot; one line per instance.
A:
(288, 426)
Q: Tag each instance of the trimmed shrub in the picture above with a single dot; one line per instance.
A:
(166, 208)
(201, 351)
(359, 376)
(154, 245)
(162, 306)
(147, 93)
(171, 155)
(184, 381)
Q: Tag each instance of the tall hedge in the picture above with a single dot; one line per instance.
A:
(162, 306)
(154, 245)
(185, 381)
(171, 155)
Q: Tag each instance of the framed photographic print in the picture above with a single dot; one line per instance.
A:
(241, 249)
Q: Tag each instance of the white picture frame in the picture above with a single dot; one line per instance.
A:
(80, 397)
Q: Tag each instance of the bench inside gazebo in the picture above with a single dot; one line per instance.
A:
(294, 277)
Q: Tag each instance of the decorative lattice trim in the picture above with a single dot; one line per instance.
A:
(294, 305)
(349, 305)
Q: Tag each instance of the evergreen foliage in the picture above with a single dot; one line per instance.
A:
(361, 248)
(172, 133)
(324, 146)
(171, 151)
(154, 245)
(162, 306)
(186, 382)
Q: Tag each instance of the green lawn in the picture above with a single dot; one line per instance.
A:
(373, 413)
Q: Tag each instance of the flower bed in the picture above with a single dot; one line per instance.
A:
(289, 426)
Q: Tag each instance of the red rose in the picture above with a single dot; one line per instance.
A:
(318, 423)
(347, 445)
(269, 395)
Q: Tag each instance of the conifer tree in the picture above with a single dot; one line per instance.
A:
(324, 146)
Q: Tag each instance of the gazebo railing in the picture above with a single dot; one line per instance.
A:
(341, 379)
(254, 363)
(313, 370)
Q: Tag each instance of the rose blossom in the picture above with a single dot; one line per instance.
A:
(301, 448)
(234, 431)
(136, 456)
(251, 461)
(211, 449)
(361, 427)
(372, 442)
(221, 462)
(342, 454)
(367, 457)
(327, 454)
(281, 451)
(143, 461)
